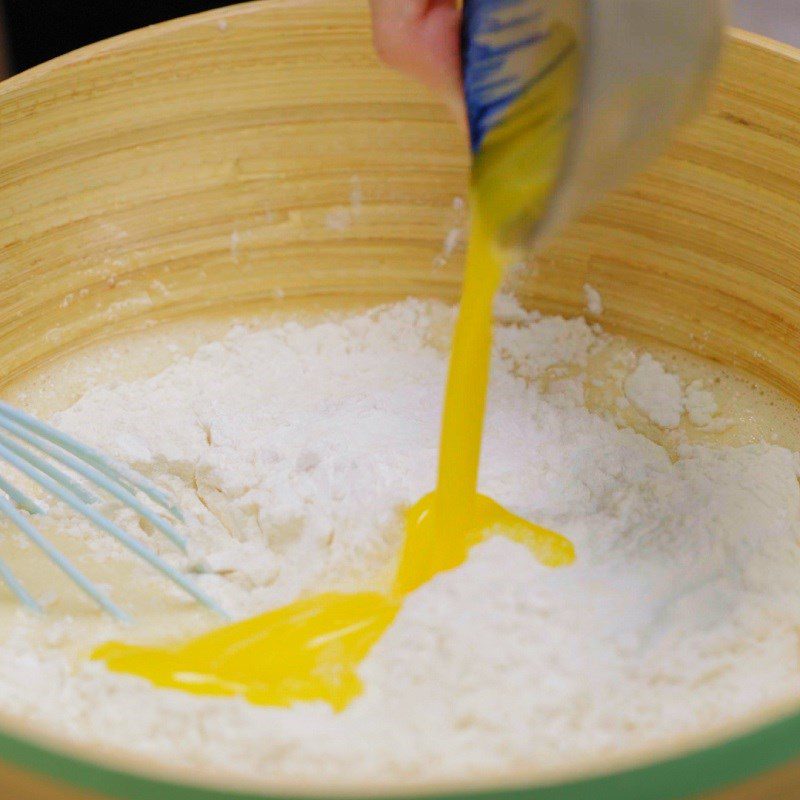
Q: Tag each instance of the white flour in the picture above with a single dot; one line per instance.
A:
(594, 302)
(294, 449)
(658, 394)
(655, 392)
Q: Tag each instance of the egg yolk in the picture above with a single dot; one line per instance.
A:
(310, 650)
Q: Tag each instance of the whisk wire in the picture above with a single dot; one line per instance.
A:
(117, 479)
(90, 473)
(98, 519)
(48, 469)
(22, 594)
(58, 558)
(20, 499)
(113, 470)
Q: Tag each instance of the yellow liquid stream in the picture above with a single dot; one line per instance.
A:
(311, 649)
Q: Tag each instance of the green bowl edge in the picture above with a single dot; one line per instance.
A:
(679, 777)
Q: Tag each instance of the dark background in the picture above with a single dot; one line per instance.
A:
(38, 30)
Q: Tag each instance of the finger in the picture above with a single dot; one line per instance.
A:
(421, 39)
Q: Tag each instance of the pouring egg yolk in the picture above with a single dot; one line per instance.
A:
(310, 650)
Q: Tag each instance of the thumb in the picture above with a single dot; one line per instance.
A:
(422, 39)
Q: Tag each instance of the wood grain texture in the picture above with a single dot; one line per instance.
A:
(212, 162)
(191, 165)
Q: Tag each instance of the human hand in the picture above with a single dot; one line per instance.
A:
(421, 39)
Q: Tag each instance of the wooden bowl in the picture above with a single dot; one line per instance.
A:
(259, 152)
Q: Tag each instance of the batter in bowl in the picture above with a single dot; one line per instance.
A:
(311, 649)
(294, 447)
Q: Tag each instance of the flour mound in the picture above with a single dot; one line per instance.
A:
(594, 300)
(293, 450)
(655, 392)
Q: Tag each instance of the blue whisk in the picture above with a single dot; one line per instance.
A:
(33, 448)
